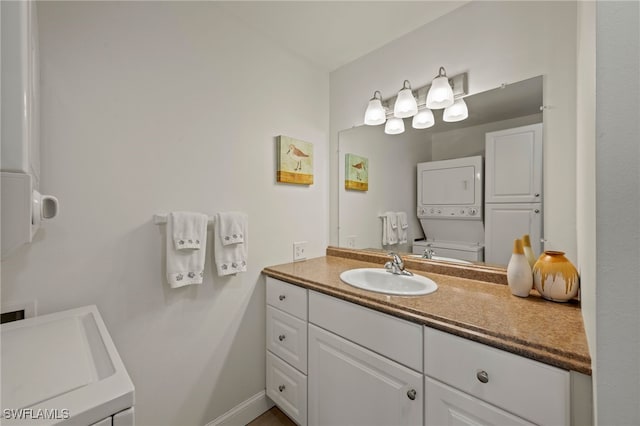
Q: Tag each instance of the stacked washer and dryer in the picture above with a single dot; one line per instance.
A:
(450, 208)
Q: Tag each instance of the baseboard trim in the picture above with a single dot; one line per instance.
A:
(244, 412)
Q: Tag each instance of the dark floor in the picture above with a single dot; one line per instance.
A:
(273, 417)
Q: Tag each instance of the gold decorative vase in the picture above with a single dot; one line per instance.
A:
(555, 277)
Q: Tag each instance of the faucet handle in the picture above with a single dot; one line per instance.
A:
(396, 258)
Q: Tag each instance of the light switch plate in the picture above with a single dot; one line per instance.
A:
(351, 241)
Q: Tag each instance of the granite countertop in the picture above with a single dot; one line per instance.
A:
(484, 311)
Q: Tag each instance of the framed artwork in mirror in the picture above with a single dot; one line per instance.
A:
(356, 173)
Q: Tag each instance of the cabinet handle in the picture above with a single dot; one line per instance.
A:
(537, 195)
(282, 297)
(411, 394)
(536, 211)
(282, 337)
(281, 388)
(483, 376)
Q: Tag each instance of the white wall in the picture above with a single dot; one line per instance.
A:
(164, 106)
(495, 42)
(586, 178)
(617, 298)
(392, 183)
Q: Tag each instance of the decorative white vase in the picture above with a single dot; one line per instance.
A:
(555, 277)
(519, 275)
(528, 251)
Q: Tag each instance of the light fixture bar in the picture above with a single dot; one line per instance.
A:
(459, 85)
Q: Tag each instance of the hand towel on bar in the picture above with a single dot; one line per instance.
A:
(186, 266)
(393, 220)
(402, 227)
(232, 227)
(385, 225)
(231, 258)
(389, 232)
(189, 230)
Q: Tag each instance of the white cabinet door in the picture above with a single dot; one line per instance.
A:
(506, 222)
(445, 405)
(350, 385)
(513, 169)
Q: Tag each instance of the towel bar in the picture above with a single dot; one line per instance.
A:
(160, 218)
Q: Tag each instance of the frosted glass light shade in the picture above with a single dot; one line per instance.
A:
(456, 112)
(423, 119)
(394, 126)
(440, 93)
(406, 105)
(374, 114)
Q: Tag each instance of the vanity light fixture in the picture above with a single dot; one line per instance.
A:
(406, 105)
(394, 126)
(456, 112)
(423, 119)
(375, 113)
(440, 94)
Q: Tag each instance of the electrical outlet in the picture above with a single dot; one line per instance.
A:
(299, 250)
(351, 241)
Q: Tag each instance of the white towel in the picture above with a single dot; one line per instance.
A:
(402, 227)
(189, 230)
(232, 227)
(231, 258)
(389, 232)
(186, 265)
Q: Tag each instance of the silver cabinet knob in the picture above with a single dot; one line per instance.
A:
(537, 195)
(281, 388)
(536, 211)
(282, 297)
(483, 376)
(282, 337)
(411, 394)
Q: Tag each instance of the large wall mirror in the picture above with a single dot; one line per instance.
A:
(391, 162)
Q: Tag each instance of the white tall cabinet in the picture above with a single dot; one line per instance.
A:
(513, 190)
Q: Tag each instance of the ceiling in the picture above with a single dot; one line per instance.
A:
(334, 33)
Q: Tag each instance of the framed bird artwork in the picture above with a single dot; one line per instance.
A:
(295, 161)
(356, 172)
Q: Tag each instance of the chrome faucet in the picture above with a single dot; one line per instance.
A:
(428, 253)
(396, 265)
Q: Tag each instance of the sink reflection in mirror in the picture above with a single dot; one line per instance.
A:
(393, 163)
(441, 259)
(381, 281)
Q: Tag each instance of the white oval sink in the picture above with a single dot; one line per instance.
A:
(381, 281)
(441, 258)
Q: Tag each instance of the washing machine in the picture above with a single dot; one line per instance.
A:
(451, 251)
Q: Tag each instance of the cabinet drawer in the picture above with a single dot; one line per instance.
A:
(447, 406)
(287, 297)
(387, 335)
(530, 389)
(287, 338)
(287, 387)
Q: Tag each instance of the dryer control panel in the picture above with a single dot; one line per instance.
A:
(449, 212)
(450, 189)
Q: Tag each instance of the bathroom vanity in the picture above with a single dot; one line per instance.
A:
(469, 353)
